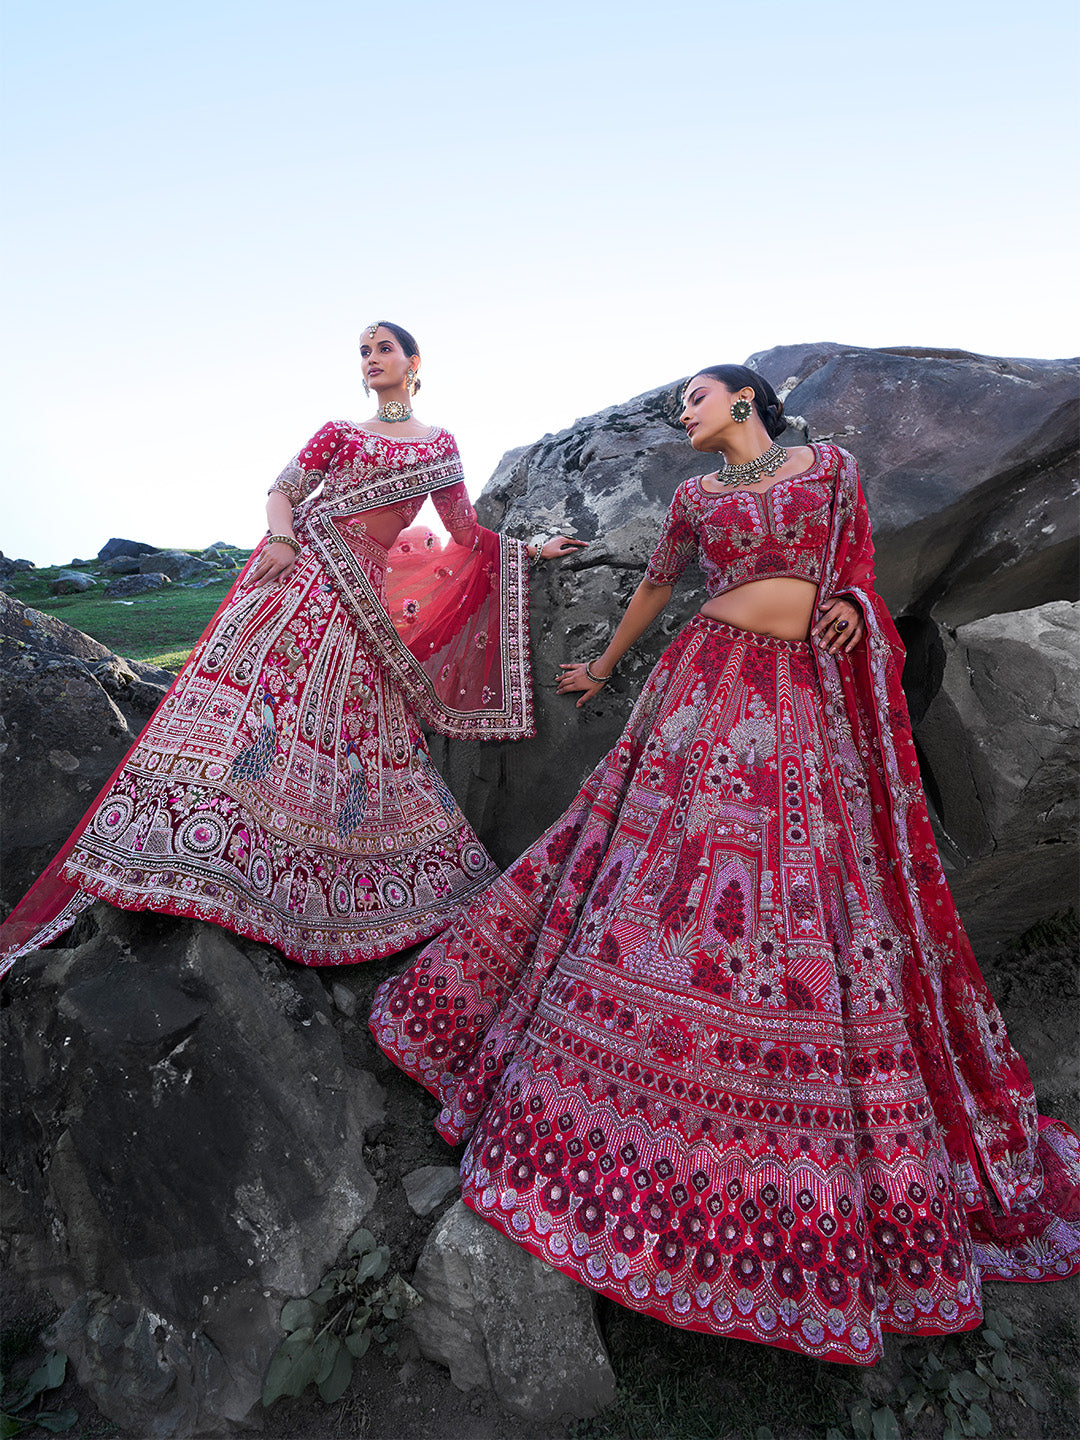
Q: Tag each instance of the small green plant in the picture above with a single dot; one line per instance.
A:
(16, 1398)
(960, 1385)
(353, 1305)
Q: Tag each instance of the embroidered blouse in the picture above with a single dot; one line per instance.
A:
(744, 535)
(449, 622)
(343, 458)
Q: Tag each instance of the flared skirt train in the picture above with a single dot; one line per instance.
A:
(283, 790)
(674, 1034)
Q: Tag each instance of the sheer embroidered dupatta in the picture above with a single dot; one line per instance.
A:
(449, 622)
(1007, 1159)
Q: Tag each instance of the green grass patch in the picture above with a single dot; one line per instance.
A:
(161, 627)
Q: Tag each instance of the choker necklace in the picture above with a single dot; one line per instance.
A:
(761, 467)
(393, 411)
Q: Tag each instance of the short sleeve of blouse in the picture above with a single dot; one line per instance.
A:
(676, 547)
(306, 471)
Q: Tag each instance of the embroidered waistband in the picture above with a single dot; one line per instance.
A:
(750, 637)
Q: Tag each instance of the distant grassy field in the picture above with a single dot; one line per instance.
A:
(161, 627)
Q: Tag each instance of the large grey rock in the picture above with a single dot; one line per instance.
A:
(9, 567)
(176, 564)
(969, 465)
(183, 1146)
(69, 711)
(121, 565)
(999, 745)
(219, 556)
(500, 1319)
(70, 582)
(117, 546)
(127, 586)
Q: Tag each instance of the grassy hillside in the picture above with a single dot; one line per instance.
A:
(161, 627)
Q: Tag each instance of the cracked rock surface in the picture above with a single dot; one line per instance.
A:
(183, 1153)
(501, 1319)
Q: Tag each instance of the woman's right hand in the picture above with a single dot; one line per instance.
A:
(275, 564)
(574, 679)
(560, 546)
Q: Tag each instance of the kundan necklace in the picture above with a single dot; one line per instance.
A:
(393, 411)
(761, 467)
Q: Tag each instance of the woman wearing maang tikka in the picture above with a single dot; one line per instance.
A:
(283, 788)
(717, 1040)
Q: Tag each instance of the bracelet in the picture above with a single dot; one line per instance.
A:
(285, 540)
(596, 679)
(539, 541)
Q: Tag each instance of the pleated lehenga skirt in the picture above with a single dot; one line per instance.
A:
(283, 789)
(674, 1034)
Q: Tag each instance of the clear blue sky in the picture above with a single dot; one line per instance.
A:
(567, 203)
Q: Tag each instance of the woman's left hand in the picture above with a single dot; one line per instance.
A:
(560, 545)
(840, 626)
(574, 678)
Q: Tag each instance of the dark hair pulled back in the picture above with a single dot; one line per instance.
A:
(770, 410)
(404, 339)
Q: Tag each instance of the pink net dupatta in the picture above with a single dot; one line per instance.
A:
(451, 626)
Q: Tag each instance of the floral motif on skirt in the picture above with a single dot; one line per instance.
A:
(284, 790)
(674, 1031)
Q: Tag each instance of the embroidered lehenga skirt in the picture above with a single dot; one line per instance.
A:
(284, 790)
(674, 1032)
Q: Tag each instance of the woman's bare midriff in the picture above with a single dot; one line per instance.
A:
(782, 607)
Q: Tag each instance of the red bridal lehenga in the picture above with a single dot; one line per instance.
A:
(283, 788)
(718, 1041)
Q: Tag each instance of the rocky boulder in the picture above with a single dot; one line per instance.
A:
(9, 567)
(999, 745)
(116, 546)
(969, 464)
(69, 711)
(121, 565)
(500, 1319)
(70, 582)
(127, 586)
(176, 564)
(183, 1154)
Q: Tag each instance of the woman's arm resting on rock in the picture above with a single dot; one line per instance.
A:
(645, 605)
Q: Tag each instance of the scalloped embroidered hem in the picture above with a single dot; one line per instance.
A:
(313, 948)
(757, 1322)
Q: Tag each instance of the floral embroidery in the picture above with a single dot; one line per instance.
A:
(767, 1081)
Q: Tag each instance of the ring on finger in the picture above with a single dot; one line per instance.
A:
(840, 626)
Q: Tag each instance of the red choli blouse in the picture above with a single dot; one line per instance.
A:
(744, 535)
(343, 460)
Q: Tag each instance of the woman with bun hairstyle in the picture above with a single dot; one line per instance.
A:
(283, 788)
(717, 1041)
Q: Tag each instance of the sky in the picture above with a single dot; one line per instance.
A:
(567, 203)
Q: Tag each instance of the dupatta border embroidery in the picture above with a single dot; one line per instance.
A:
(512, 718)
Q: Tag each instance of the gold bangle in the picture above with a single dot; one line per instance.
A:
(285, 540)
(596, 679)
